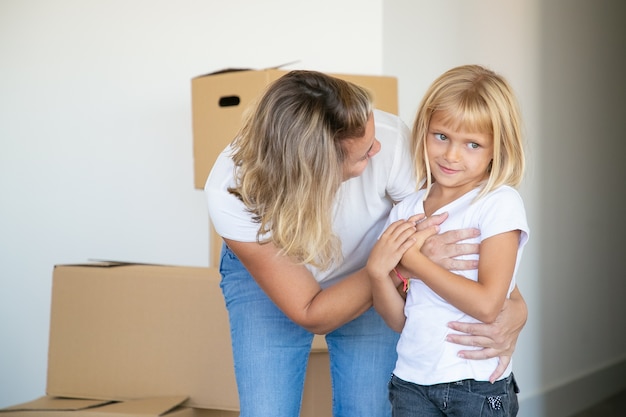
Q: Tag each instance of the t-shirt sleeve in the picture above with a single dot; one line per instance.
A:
(503, 212)
(227, 213)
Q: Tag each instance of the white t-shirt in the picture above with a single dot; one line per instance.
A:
(424, 357)
(361, 209)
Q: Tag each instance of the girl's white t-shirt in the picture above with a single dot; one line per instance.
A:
(361, 210)
(424, 356)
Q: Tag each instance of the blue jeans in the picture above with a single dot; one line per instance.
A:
(467, 398)
(271, 352)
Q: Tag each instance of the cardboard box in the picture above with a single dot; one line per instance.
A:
(220, 99)
(215, 246)
(129, 331)
(72, 407)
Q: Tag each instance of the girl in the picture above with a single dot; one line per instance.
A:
(467, 145)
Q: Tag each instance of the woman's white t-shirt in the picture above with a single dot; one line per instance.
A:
(361, 210)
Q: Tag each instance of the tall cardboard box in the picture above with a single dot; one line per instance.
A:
(129, 331)
(219, 101)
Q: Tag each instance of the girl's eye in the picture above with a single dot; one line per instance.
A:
(440, 136)
(474, 145)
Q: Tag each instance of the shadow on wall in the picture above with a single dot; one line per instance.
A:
(582, 229)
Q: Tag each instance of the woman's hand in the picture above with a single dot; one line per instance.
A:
(443, 248)
(496, 339)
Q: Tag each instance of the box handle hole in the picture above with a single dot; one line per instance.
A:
(229, 101)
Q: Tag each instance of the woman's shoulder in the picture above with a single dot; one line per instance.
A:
(411, 204)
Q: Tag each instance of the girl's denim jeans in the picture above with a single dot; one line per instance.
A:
(466, 398)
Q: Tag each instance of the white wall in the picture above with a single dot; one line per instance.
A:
(96, 149)
(95, 133)
(435, 36)
(564, 58)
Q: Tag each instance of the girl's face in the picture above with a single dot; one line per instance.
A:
(459, 160)
(359, 150)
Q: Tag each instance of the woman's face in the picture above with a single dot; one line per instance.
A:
(359, 151)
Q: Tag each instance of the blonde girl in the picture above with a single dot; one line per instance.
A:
(467, 146)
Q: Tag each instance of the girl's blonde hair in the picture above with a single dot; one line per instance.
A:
(475, 99)
(289, 161)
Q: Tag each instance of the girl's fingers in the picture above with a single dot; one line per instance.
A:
(399, 230)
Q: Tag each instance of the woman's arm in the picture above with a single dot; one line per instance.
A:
(482, 299)
(296, 292)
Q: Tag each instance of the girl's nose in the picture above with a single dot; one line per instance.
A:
(452, 153)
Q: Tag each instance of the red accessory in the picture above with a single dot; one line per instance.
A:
(405, 281)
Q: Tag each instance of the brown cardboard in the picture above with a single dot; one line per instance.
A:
(203, 412)
(73, 407)
(215, 246)
(129, 331)
(220, 99)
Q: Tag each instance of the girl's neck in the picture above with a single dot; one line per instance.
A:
(439, 197)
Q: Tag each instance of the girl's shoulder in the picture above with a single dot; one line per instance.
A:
(502, 210)
(503, 194)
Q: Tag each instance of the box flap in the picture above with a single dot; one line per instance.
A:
(95, 264)
(47, 403)
(106, 263)
(156, 406)
(227, 70)
(56, 406)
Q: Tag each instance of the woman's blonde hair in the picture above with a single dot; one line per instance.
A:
(289, 161)
(475, 99)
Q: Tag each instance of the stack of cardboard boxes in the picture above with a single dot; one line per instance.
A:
(153, 340)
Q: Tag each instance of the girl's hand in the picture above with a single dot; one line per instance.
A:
(390, 247)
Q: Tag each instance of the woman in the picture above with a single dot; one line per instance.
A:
(300, 197)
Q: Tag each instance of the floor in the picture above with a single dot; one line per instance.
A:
(614, 406)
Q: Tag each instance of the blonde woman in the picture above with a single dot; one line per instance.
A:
(467, 145)
(300, 197)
